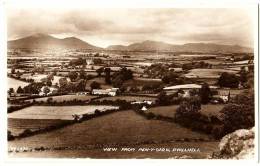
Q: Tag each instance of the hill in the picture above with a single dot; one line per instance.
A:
(189, 47)
(46, 41)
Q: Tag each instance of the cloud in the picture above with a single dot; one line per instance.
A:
(123, 26)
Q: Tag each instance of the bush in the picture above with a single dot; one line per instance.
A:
(228, 80)
(9, 136)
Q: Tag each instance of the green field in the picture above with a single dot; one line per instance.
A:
(127, 98)
(57, 112)
(67, 98)
(121, 129)
(207, 73)
(17, 126)
(169, 111)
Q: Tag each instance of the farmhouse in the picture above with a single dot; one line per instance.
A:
(110, 92)
(185, 89)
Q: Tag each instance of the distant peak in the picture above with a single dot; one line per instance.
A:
(40, 35)
(72, 37)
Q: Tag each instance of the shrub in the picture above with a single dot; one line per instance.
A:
(228, 80)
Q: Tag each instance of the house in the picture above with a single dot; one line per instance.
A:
(142, 102)
(144, 108)
(185, 89)
(109, 92)
(52, 91)
(82, 93)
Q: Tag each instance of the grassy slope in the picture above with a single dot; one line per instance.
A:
(125, 128)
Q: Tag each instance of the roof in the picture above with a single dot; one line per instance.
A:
(186, 86)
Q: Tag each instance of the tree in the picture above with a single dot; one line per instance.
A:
(82, 74)
(205, 93)
(19, 90)
(170, 77)
(10, 91)
(46, 90)
(63, 82)
(163, 99)
(107, 75)
(33, 88)
(13, 70)
(243, 76)
(48, 83)
(94, 85)
(100, 71)
(228, 80)
(97, 61)
(73, 75)
(118, 81)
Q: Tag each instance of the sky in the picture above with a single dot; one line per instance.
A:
(104, 27)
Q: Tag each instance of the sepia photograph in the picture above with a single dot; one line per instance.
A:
(131, 83)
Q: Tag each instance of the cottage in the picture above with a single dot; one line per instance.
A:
(109, 92)
(82, 93)
(185, 89)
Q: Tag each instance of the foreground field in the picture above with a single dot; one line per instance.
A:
(169, 111)
(17, 126)
(121, 129)
(57, 112)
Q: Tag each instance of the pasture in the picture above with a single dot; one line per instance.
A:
(127, 98)
(66, 98)
(56, 112)
(14, 83)
(119, 129)
(17, 126)
(207, 73)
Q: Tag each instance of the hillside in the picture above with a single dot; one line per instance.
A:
(189, 47)
(47, 41)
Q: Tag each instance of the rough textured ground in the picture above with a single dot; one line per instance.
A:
(119, 129)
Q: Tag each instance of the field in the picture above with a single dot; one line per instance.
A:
(128, 98)
(207, 73)
(67, 98)
(13, 83)
(123, 129)
(169, 111)
(56, 112)
(17, 126)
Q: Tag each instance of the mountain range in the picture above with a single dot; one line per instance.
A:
(47, 41)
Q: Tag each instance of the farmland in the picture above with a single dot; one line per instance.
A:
(128, 129)
(67, 98)
(56, 112)
(49, 88)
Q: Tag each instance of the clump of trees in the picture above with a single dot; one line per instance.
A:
(95, 85)
(121, 76)
(228, 80)
(188, 111)
(195, 64)
(77, 62)
(239, 113)
(205, 93)
(158, 70)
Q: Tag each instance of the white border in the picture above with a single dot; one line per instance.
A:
(112, 4)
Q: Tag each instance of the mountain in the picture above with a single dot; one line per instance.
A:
(189, 47)
(46, 41)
